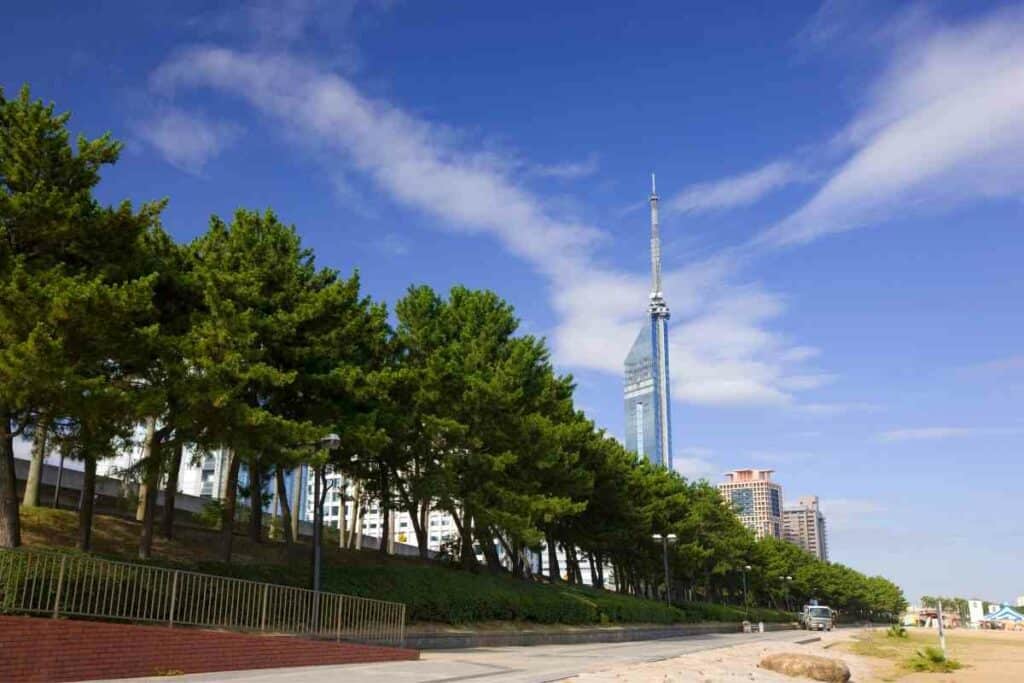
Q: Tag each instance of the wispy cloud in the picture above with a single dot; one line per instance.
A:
(837, 408)
(722, 350)
(781, 457)
(845, 514)
(997, 367)
(570, 170)
(694, 462)
(187, 140)
(392, 244)
(738, 190)
(938, 433)
(412, 160)
(942, 123)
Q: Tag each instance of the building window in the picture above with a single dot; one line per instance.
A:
(743, 499)
(638, 421)
(776, 503)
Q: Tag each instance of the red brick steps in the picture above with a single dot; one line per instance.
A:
(38, 649)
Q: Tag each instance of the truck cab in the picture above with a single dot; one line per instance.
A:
(817, 618)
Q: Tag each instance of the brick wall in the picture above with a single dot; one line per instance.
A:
(38, 649)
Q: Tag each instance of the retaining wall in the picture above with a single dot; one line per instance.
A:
(39, 649)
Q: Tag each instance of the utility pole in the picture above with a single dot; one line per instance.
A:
(746, 602)
(942, 630)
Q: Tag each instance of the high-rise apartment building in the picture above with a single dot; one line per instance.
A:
(646, 392)
(756, 499)
(804, 525)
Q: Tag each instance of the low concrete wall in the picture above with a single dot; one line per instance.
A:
(455, 640)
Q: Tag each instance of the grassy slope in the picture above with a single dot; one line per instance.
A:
(432, 593)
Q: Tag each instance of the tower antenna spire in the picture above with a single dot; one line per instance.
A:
(655, 246)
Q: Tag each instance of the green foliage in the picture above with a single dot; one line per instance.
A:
(932, 659)
(210, 514)
(238, 342)
(896, 631)
(449, 596)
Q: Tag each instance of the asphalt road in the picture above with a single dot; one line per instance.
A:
(500, 664)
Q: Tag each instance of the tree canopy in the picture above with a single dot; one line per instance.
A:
(238, 341)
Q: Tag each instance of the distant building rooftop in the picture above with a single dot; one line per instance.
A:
(741, 476)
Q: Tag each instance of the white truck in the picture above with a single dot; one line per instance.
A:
(817, 618)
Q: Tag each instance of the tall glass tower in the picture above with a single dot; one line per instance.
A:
(648, 408)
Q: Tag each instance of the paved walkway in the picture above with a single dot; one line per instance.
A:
(493, 665)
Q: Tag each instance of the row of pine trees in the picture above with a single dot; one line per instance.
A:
(238, 341)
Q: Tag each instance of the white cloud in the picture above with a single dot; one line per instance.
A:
(941, 124)
(738, 190)
(570, 170)
(392, 244)
(722, 350)
(845, 514)
(781, 457)
(997, 367)
(414, 161)
(836, 408)
(937, 433)
(187, 140)
(693, 463)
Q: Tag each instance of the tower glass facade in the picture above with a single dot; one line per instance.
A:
(646, 391)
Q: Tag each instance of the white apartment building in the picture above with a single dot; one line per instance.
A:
(440, 527)
(757, 500)
(804, 525)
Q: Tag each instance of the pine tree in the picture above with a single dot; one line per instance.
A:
(69, 277)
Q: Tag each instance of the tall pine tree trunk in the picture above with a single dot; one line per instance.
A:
(286, 513)
(298, 496)
(147, 487)
(148, 523)
(227, 520)
(86, 505)
(554, 573)
(486, 536)
(10, 523)
(255, 501)
(419, 527)
(571, 570)
(355, 536)
(465, 527)
(385, 530)
(171, 490)
(151, 484)
(35, 468)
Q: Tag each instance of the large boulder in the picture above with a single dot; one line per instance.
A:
(809, 666)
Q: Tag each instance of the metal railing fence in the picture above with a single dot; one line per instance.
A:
(80, 586)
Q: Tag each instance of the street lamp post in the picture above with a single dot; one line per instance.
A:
(746, 602)
(665, 541)
(329, 442)
(785, 586)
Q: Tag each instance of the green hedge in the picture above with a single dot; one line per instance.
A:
(456, 597)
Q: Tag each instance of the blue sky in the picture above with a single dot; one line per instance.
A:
(841, 188)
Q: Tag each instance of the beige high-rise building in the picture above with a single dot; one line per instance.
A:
(757, 500)
(804, 525)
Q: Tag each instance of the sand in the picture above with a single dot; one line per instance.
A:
(736, 663)
(986, 655)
